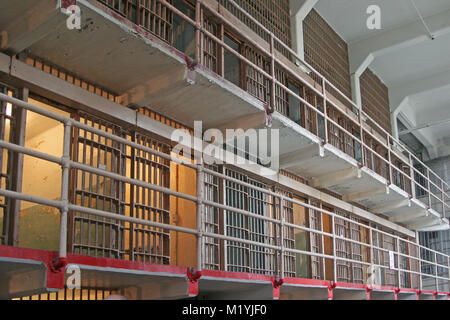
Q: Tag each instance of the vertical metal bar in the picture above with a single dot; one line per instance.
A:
(324, 92)
(65, 190)
(448, 270)
(371, 253)
(390, 160)
(420, 261)
(322, 243)
(436, 271)
(222, 51)
(398, 262)
(333, 224)
(198, 33)
(272, 72)
(17, 129)
(4, 175)
(413, 181)
(429, 187)
(200, 197)
(282, 255)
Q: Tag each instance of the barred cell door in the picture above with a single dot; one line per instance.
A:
(315, 240)
(390, 278)
(356, 253)
(342, 267)
(144, 243)
(310, 119)
(242, 257)
(256, 83)
(89, 234)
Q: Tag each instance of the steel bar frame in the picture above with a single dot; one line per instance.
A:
(64, 205)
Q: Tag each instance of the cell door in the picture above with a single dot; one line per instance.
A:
(315, 240)
(310, 119)
(389, 274)
(144, 243)
(92, 235)
(256, 83)
(356, 252)
(343, 270)
(241, 257)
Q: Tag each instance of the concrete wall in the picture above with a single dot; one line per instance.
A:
(39, 225)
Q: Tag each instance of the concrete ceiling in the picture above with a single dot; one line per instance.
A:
(349, 17)
(415, 68)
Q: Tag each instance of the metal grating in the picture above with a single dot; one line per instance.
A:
(315, 240)
(242, 257)
(71, 295)
(255, 82)
(149, 244)
(212, 248)
(92, 235)
(288, 235)
(327, 52)
(149, 14)
(101, 237)
(272, 14)
(210, 47)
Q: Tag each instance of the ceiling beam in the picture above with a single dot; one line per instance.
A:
(360, 52)
(424, 126)
(398, 93)
(386, 207)
(336, 178)
(425, 222)
(413, 214)
(358, 196)
(298, 157)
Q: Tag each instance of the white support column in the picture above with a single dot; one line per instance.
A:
(355, 80)
(299, 10)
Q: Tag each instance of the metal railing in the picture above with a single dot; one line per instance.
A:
(267, 76)
(400, 262)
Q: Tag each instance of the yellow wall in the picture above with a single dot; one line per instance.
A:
(183, 213)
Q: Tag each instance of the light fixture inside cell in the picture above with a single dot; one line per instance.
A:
(8, 109)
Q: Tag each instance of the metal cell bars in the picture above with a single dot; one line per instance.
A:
(75, 165)
(210, 58)
(241, 257)
(212, 257)
(342, 132)
(409, 265)
(384, 253)
(348, 271)
(271, 14)
(316, 241)
(382, 138)
(92, 235)
(146, 243)
(71, 294)
(256, 83)
(152, 15)
(5, 166)
(288, 236)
